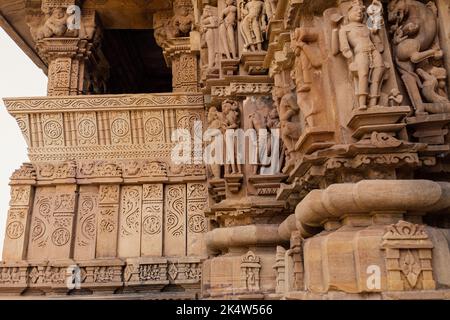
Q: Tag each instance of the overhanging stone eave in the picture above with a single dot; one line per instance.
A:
(23, 42)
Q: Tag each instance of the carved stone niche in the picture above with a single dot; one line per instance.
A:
(408, 257)
(250, 273)
(361, 70)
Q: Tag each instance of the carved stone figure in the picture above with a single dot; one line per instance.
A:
(183, 20)
(307, 62)
(232, 121)
(210, 32)
(253, 23)
(362, 48)
(273, 123)
(55, 24)
(227, 30)
(215, 122)
(414, 29)
(270, 7)
(258, 121)
(289, 111)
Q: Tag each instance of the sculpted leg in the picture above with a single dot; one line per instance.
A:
(362, 62)
(421, 56)
(377, 78)
(231, 41)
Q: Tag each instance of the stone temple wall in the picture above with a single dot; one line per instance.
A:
(354, 202)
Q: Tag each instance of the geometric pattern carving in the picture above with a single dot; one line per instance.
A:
(175, 220)
(152, 220)
(197, 224)
(408, 257)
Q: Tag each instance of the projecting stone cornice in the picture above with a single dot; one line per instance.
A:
(102, 102)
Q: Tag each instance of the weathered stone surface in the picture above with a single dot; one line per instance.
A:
(346, 100)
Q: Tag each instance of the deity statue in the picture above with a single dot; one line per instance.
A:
(362, 48)
(210, 32)
(253, 23)
(227, 28)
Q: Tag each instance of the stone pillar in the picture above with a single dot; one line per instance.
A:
(64, 36)
(66, 60)
(185, 65)
(174, 33)
(19, 214)
(107, 221)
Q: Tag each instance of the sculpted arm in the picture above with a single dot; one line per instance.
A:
(344, 44)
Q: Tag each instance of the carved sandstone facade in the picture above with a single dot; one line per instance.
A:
(352, 97)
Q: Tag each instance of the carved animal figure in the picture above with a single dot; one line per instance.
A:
(415, 36)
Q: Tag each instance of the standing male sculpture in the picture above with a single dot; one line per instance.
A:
(362, 48)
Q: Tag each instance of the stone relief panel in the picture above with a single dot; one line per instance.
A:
(40, 230)
(175, 220)
(53, 130)
(197, 224)
(107, 221)
(87, 129)
(62, 226)
(152, 220)
(414, 28)
(86, 226)
(120, 128)
(23, 121)
(130, 222)
(153, 126)
(185, 73)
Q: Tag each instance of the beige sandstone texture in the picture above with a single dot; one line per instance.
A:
(357, 205)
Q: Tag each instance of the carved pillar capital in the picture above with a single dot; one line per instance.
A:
(181, 56)
(66, 37)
